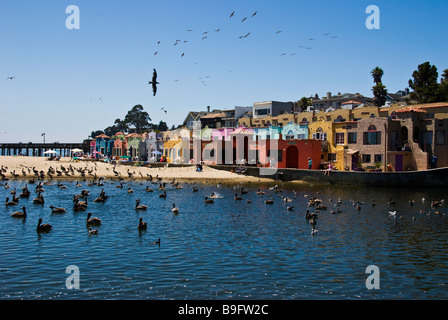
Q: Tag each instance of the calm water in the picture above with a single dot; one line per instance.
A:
(226, 250)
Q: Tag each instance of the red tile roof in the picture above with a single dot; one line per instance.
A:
(410, 109)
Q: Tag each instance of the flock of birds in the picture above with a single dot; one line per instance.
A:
(206, 34)
(315, 205)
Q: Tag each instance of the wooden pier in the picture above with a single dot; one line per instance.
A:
(37, 149)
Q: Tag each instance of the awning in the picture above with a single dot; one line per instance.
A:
(351, 152)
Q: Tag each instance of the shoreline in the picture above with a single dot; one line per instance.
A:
(24, 168)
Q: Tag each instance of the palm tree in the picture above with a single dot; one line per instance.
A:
(377, 74)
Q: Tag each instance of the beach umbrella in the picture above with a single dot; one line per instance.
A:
(49, 151)
(76, 150)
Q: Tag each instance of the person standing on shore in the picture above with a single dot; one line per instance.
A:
(310, 163)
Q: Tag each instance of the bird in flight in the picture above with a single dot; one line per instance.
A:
(204, 37)
(156, 52)
(231, 15)
(154, 82)
(278, 32)
(253, 15)
(326, 34)
(244, 19)
(182, 54)
(10, 78)
(163, 108)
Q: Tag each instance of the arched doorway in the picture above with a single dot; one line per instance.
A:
(292, 157)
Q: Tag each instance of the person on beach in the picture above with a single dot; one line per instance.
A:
(310, 163)
(329, 168)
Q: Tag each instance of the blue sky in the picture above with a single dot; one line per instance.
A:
(71, 82)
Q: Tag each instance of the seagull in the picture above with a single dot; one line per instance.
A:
(205, 32)
(326, 34)
(10, 78)
(154, 82)
(393, 213)
(231, 15)
(204, 38)
(217, 30)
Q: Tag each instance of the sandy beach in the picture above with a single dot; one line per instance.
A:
(21, 167)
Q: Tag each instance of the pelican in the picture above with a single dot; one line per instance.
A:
(142, 225)
(57, 210)
(19, 214)
(139, 206)
(154, 82)
(43, 227)
(207, 200)
(92, 221)
(175, 210)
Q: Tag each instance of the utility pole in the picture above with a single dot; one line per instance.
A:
(43, 135)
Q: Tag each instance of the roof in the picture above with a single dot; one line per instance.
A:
(433, 105)
(102, 136)
(214, 115)
(243, 130)
(134, 135)
(351, 101)
(410, 109)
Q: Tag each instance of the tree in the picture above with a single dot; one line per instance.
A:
(377, 74)
(379, 90)
(304, 103)
(425, 86)
(162, 126)
(96, 133)
(379, 94)
(138, 118)
(443, 88)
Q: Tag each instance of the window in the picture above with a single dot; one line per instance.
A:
(351, 137)
(440, 137)
(262, 112)
(372, 137)
(366, 158)
(378, 158)
(289, 135)
(340, 138)
(320, 136)
(332, 157)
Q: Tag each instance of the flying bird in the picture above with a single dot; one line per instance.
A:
(231, 15)
(204, 37)
(156, 52)
(311, 39)
(182, 54)
(326, 34)
(154, 82)
(278, 32)
(217, 30)
(253, 15)
(10, 78)
(244, 19)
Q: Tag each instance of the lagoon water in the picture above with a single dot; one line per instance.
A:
(229, 249)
